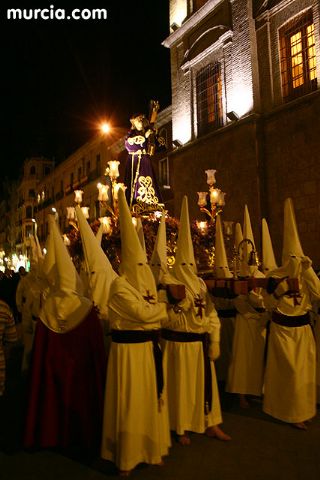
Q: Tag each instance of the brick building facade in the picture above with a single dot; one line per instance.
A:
(246, 102)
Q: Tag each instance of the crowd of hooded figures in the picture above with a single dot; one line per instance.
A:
(119, 362)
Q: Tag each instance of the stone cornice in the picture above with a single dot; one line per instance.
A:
(194, 20)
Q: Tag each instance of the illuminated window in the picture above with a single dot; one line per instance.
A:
(209, 98)
(298, 57)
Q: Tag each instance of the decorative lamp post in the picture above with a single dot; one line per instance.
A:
(113, 172)
(215, 197)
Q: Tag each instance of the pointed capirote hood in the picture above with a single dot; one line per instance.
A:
(99, 269)
(139, 229)
(292, 253)
(49, 267)
(158, 262)
(244, 268)
(238, 237)
(65, 306)
(184, 269)
(268, 259)
(291, 240)
(221, 266)
(247, 229)
(34, 255)
(133, 264)
(99, 234)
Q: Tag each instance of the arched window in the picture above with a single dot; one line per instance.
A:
(32, 170)
(209, 98)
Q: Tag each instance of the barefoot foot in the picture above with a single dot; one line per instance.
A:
(300, 426)
(124, 473)
(184, 440)
(243, 402)
(216, 432)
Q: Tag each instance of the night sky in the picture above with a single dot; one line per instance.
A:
(59, 78)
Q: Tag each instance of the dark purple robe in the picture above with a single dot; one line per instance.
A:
(140, 179)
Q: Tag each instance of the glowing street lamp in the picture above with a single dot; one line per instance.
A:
(105, 127)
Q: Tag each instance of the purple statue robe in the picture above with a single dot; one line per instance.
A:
(140, 180)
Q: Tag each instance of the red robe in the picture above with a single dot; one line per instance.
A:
(66, 390)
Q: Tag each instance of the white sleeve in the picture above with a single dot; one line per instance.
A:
(134, 309)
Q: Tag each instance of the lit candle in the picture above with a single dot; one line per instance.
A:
(71, 214)
(211, 179)
(202, 226)
(85, 211)
(214, 195)
(221, 200)
(116, 189)
(78, 196)
(228, 227)
(106, 224)
(202, 200)
(66, 239)
(103, 192)
(113, 169)
(134, 221)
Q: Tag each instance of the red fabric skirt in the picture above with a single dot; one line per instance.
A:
(66, 389)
